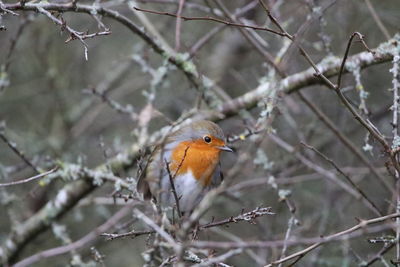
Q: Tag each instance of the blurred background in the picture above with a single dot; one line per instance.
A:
(55, 106)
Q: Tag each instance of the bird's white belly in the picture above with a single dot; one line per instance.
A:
(189, 192)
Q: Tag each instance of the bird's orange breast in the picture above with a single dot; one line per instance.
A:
(197, 157)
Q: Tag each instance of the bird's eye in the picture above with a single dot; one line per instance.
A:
(207, 139)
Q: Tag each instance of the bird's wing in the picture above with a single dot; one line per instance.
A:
(142, 185)
(218, 176)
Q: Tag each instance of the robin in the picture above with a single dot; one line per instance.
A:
(188, 161)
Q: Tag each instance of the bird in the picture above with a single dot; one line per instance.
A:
(188, 161)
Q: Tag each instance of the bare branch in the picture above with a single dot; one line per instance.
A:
(131, 234)
(211, 19)
(346, 54)
(18, 152)
(378, 21)
(248, 217)
(216, 260)
(27, 180)
(4, 9)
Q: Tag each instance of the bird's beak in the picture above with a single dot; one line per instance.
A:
(225, 148)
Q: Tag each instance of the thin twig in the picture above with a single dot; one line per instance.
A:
(194, 6)
(291, 222)
(378, 21)
(12, 47)
(88, 35)
(346, 141)
(326, 173)
(27, 180)
(216, 261)
(131, 234)
(178, 25)
(172, 177)
(362, 193)
(248, 216)
(203, 40)
(395, 143)
(128, 109)
(5, 10)
(346, 54)
(259, 28)
(386, 248)
(81, 36)
(19, 153)
(253, 41)
(63, 25)
(171, 181)
(302, 51)
(156, 228)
